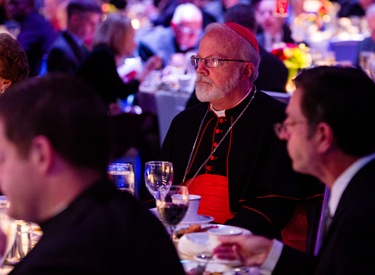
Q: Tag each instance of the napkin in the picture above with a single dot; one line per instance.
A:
(192, 244)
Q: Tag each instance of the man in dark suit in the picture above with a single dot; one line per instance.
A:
(53, 171)
(71, 46)
(328, 134)
(36, 33)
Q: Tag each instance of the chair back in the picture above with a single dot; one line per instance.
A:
(283, 97)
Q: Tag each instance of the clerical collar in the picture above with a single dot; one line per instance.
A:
(221, 113)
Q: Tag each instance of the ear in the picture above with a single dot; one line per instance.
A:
(5, 84)
(248, 70)
(42, 153)
(174, 26)
(324, 137)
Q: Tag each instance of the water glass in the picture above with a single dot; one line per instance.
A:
(122, 176)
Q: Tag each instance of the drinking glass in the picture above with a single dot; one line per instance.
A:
(8, 228)
(158, 176)
(172, 206)
(122, 176)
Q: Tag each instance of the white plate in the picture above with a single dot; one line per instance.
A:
(198, 219)
(215, 260)
(192, 244)
(211, 267)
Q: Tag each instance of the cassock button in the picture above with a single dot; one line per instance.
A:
(214, 144)
(217, 131)
(212, 158)
(221, 120)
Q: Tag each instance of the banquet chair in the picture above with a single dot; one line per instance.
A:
(345, 50)
(168, 105)
(283, 97)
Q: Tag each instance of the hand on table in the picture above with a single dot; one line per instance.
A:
(249, 249)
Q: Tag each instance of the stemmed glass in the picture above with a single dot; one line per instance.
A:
(172, 206)
(158, 177)
(8, 229)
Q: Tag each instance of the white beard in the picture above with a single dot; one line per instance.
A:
(209, 91)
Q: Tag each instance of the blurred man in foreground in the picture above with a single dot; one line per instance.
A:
(328, 136)
(54, 151)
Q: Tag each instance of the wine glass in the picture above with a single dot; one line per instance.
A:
(122, 176)
(158, 176)
(172, 206)
(8, 230)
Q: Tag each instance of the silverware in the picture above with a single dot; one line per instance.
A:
(202, 265)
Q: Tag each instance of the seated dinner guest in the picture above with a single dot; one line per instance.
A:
(182, 36)
(54, 150)
(327, 132)
(113, 43)
(13, 62)
(225, 149)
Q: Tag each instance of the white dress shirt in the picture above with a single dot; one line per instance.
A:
(337, 190)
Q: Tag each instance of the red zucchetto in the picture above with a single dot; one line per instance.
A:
(245, 33)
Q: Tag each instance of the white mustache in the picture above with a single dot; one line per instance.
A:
(201, 78)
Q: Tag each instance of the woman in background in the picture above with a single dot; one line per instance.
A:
(113, 42)
(13, 62)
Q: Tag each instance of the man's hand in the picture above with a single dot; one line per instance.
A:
(249, 249)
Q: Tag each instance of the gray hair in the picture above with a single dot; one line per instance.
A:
(245, 50)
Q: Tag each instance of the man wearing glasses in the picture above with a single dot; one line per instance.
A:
(329, 134)
(224, 148)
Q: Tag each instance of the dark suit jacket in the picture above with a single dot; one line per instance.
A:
(36, 37)
(100, 71)
(103, 231)
(349, 246)
(65, 54)
(263, 189)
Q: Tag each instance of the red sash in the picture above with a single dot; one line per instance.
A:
(214, 192)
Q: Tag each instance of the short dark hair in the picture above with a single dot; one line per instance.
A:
(13, 60)
(242, 14)
(66, 111)
(80, 6)
(344, 98)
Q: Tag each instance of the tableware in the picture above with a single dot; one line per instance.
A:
(172, 206)
(215, 233)
(198, 219)
(194, 201)
(191, 244)
(204, 260)
(8, 229)
(158, 176)
(122, 176)
(190, 268)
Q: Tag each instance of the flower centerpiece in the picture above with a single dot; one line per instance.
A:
(295, 58)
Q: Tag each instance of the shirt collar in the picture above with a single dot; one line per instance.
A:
(343, 180)
(222, 112)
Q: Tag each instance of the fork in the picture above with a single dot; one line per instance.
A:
(201, 268)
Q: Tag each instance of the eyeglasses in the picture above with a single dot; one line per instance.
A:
(189, 31)
(281, 129)
(211, 62)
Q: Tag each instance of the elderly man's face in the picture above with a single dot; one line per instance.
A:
(188, 34)
(214, 84)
